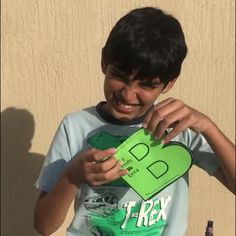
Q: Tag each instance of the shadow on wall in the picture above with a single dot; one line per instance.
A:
(19, 169)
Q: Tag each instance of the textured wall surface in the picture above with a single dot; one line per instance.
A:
(51, 66)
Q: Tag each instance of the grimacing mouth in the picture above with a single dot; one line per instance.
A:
(121, 102)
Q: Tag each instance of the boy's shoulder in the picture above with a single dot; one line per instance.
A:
(84, 112)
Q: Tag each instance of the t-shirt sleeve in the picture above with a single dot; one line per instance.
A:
(203, 155)
(56, 161)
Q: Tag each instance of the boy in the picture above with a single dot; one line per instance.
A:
(141, 59)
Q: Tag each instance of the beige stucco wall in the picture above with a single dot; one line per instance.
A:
(51, 66)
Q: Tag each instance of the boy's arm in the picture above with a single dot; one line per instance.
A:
(51, 208)
(90, 168)
(225, 150)
(174, 113)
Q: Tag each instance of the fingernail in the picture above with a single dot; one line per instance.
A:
(112, 150)
(121, 163)
(163, 141)
(144, 125)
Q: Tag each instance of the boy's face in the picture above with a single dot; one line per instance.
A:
(128, 98)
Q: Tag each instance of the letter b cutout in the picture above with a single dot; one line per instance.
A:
(153, 166)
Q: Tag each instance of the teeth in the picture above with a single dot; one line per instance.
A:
(126, 106)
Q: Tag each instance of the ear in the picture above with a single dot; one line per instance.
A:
(169, 86)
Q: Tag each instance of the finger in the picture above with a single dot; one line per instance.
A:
(183, 125)
(162, 113)
(171, 120)
(103, 166)
(164, 102)
(121, 173)
(157, 106)
(114, 173)
(99, 155)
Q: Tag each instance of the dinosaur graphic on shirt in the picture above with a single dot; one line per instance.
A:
(104, 140)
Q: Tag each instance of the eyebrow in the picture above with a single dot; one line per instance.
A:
(115, 70)
(124, 76)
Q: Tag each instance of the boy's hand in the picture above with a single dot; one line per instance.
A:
(95, 167)
(172, 113)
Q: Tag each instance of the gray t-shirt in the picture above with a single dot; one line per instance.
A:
(116, 209)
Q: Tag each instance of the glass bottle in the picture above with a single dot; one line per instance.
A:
(209, 228)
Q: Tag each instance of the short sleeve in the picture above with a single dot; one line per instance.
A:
(56, 161)
(203, 155)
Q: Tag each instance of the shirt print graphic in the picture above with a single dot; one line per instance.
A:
(110, 216)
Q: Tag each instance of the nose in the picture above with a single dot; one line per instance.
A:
(130, 94)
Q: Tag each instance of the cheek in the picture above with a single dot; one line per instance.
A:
(149, 97)
(107, 89)
(111, 86)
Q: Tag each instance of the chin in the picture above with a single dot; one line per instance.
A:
(123, 117)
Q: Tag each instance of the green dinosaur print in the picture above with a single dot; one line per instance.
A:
(104, 140)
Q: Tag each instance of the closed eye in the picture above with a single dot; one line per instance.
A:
(118, 75)
(150, 85)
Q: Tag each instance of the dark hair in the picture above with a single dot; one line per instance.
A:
(148, 42)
